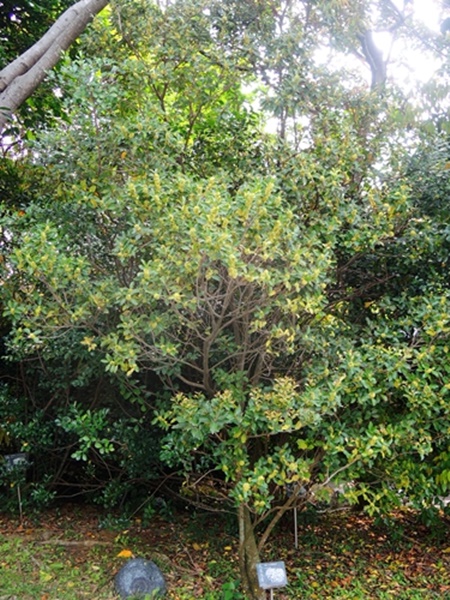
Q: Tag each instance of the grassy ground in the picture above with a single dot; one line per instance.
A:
(72, 553)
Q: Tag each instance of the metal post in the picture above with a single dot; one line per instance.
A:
(295, 528)
(19, 496)
(271, 594)
(19, 462)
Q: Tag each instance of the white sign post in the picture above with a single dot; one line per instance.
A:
(17, 461)
(271, 575)
(295, 528)
(300, 493)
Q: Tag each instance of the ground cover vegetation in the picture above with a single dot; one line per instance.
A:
(201, 308)
(74, 552)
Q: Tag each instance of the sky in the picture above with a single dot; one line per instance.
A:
(421, 66)
(430, 13)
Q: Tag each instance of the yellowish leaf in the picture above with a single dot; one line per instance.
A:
(125, 554)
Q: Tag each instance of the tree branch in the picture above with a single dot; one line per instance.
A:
(20, 78)
(374, 57)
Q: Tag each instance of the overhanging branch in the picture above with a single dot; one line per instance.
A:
(20, 78)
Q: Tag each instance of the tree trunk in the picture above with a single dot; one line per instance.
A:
(374, 57)
(20, 78)
(248, 555)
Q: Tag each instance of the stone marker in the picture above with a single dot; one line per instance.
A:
(138, 578)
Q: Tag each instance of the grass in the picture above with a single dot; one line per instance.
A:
(30, 570)
(67, 556)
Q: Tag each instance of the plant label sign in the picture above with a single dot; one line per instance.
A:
(271, 575)
(16, 461)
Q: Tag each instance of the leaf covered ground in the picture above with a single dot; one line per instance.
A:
(73, 552)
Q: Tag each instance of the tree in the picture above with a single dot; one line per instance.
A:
(266, 281)
(231, 331)
(20, 78)
(23, 22)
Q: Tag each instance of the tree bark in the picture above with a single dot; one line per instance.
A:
(22, 76)
(374, 58)
(248, 555)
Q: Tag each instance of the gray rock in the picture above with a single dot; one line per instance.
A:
(140, 578)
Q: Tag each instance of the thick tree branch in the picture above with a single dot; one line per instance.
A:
(372, 54)
(20, 78)
(374, 57)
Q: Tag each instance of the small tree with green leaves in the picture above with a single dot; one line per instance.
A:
(265, 283)
(226, 299)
